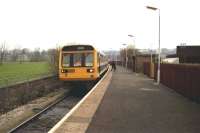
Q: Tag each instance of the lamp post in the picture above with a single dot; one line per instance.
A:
(151, 53)
(158, 71)
(132, 36)
(126, 55)
(134, 52)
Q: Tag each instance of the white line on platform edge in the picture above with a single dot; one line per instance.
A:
(76, 106)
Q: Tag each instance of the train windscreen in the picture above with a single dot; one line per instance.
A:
(89, 59)
(77, 60)
(66, 60)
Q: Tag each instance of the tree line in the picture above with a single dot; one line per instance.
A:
(26, 55)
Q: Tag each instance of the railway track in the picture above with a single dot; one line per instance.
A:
(48, 117)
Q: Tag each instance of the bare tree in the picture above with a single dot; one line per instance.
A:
(53, 59)
(15, 53)
(36, 55)
(130, 51)
(2, 52)
(23, 54)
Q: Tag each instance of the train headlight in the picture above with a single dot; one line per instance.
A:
(90, 70)
(63, 71)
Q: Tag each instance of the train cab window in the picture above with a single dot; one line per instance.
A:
(66, 60)
(77, 60)
(88, 59)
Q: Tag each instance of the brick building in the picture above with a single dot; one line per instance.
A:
(188, 54)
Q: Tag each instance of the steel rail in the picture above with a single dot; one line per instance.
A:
(36, 115)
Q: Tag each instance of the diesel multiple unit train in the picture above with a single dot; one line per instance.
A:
(81, 63)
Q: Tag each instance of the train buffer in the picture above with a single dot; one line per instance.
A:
(133, 104)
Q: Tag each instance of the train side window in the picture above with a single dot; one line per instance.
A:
(88, 59)
(101, 59)
(98, 58)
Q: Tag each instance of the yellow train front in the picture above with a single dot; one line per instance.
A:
(81, 63)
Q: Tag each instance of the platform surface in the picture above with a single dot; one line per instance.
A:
(79, 118)
(134, 104)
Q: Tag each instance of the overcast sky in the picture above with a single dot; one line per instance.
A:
(103, 23)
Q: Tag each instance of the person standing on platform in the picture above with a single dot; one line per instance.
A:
(113, 65)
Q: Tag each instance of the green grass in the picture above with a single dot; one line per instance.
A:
(11, 73)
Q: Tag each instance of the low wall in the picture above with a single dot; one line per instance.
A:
(16, 95)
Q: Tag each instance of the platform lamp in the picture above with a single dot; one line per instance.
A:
(132, 36)
(126, 54)
(158, 71)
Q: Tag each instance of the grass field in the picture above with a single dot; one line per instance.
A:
(11, 73)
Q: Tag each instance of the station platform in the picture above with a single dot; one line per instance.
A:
(127, 102)
(134, 104)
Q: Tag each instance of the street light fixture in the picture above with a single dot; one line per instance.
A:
(132, 36)
(151, 8)
(126, 55)
(158, 71)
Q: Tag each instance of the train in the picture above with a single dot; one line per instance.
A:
(81, 63)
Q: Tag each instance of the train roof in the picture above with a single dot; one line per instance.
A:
(79, 47)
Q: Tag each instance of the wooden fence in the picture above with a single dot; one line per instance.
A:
(183, 78)
(146, 68)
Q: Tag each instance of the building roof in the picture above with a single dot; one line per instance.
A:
(146, 55)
